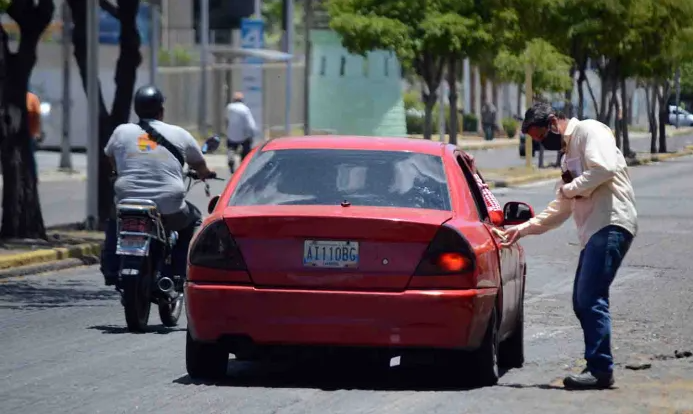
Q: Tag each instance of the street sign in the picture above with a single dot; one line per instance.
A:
(253, 37)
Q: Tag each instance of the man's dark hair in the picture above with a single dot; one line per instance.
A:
(538, 116)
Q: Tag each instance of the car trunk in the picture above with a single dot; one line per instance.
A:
(332, 247)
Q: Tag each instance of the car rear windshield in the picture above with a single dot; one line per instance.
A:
(331, 176)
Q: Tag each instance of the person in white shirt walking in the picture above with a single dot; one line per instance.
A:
(240, 132)
(596, 189)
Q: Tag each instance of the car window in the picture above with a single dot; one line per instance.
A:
(331, 176)
(474, 188)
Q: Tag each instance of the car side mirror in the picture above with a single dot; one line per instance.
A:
(516, 212)
(211, 144)
(212, 204)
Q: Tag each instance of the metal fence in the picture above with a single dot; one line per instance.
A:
(181, 86)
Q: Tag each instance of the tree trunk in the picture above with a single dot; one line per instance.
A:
(125, 78)
(651, 103)
(452, 97)
(569, 110)
(664, 115)
(616, 107)
(625, 108)
(21, 215)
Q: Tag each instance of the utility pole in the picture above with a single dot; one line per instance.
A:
(307, 26)
(65, 147)
(154, 42)
(289, 63)
(204, 55)
(92, 115)
(528, 99)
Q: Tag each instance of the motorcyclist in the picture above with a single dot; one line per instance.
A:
(148, 158)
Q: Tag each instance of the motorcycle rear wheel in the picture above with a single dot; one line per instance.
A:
(136, 300)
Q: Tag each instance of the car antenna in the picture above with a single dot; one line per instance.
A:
(346, 203)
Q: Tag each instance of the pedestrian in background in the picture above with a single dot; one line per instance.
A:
(241, 130)
(596, 189)
(33, 106)
(488, 120)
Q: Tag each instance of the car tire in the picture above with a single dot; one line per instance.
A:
(205, 361)
(485, 359)
(511, 353)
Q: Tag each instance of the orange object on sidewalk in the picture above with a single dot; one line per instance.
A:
(33, 105)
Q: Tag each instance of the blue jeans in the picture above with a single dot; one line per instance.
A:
(488, 132)
(599, 262)
(185, 223)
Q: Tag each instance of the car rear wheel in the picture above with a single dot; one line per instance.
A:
(512, 350)
(485, 359)
(205, 361)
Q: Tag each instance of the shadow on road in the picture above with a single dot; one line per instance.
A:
(329, 377)
(22, 295)
(118, 330)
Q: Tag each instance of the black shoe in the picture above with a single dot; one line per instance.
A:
(588, 381)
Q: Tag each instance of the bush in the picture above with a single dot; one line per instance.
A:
(415, 124)
(510, 127)
(178, 56)
(412, 100)
(470, 123)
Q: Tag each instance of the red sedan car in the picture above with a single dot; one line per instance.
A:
(355, 242)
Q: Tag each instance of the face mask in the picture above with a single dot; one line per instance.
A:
(552, 141)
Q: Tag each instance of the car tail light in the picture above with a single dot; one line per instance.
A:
(215, 248)
(135, 224)
(449, 253)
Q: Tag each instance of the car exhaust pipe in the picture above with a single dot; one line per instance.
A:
(165, 284)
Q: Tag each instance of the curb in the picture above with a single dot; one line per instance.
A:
(48, 267)
(80, 251)
(530, 178)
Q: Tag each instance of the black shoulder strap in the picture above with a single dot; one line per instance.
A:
(162, 141)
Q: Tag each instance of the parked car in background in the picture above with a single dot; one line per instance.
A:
(383, 245)
(685, 117)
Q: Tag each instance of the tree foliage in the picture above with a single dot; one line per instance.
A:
(423, 34)
(550, 68)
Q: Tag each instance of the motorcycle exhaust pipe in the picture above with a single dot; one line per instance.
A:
(165, 284)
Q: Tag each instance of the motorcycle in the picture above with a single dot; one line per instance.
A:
(144, 248)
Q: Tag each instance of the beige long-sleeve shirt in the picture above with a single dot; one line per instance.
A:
(602, 182)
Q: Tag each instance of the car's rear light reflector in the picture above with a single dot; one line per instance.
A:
(216, 248)
(449, 253)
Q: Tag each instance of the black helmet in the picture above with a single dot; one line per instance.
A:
(149, 102)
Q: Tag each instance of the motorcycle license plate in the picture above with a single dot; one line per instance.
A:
(133, 245)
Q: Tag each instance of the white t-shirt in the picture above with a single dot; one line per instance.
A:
(148, 170)
(241, 124)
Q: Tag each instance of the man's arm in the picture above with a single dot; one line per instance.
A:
(602, 163)
(194, 157)
(555, 214)
(251, 126)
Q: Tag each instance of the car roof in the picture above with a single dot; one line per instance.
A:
(351, 142)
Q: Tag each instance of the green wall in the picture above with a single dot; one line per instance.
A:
(350, 95)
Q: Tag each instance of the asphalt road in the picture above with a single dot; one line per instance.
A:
(65, 349)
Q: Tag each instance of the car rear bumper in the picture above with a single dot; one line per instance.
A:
(446, 319)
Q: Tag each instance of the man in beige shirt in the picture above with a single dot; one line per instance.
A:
(597, 191)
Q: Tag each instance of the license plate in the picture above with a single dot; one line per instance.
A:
(132, 245)
(332, 254)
